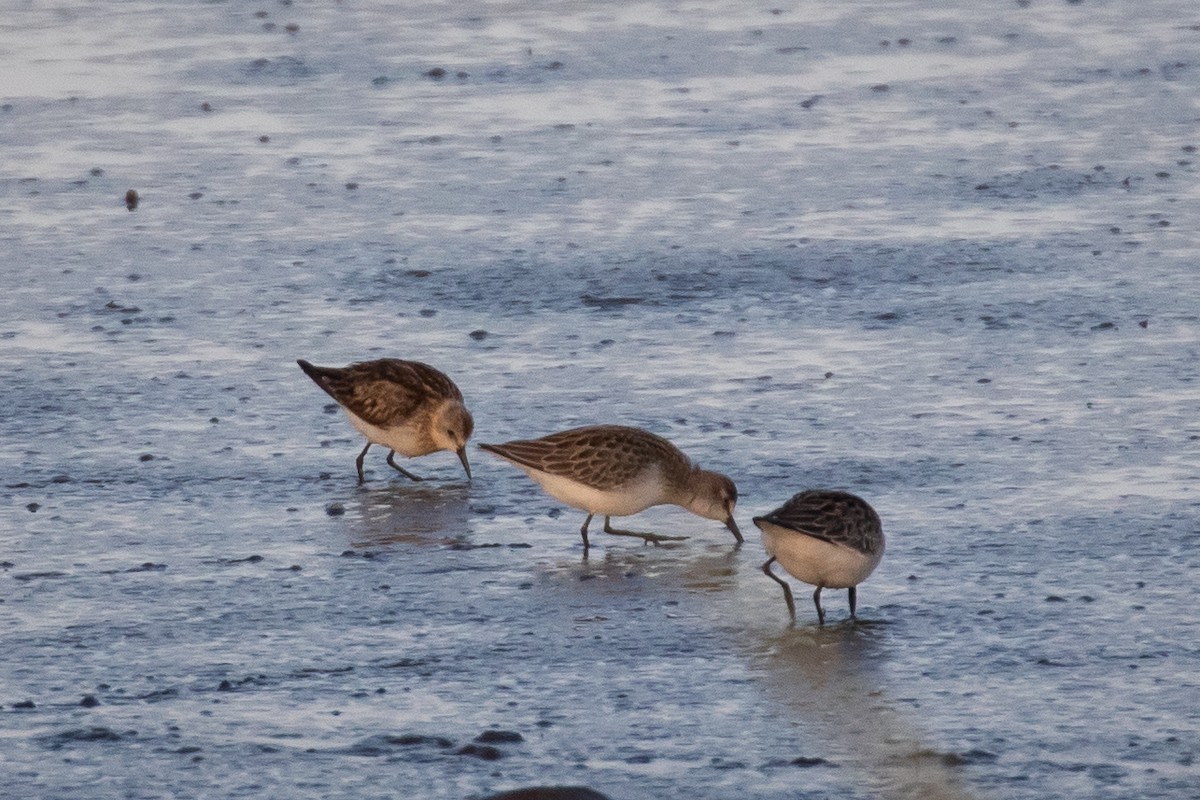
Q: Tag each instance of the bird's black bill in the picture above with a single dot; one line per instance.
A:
(462, 456)
(731, 523)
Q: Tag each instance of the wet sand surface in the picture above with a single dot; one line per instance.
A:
(943, 258)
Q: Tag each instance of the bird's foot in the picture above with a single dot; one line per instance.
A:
(649, 538)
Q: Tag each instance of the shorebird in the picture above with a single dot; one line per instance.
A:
(825, 538)
(406, 406)
(616, 471)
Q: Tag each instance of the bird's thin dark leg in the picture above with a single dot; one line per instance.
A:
(787, 590)
(583, 532)
(359, 463)
(817, 602)
(647, 537)
(391, 459)
(853, 600)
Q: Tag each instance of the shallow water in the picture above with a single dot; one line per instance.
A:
(940, 257)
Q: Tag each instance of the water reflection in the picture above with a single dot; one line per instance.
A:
(411, 513)
(831, 678)
(672, 566)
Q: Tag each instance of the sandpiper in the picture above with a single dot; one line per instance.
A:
(827, 538)
(406, 406)
(616, 471)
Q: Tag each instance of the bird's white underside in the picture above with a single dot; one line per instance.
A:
(403, 438)
(637, 495)
(815, 561)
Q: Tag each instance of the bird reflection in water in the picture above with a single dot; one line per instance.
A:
(831, 678)
(412, 513)
(664, 572)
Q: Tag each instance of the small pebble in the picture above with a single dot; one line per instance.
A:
(483, 751)
(335, 509)
(89, 701)
(132, 199)
(549, 793)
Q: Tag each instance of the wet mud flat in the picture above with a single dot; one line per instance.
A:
(944, 260)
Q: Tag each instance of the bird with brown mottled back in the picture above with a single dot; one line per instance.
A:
(407, 406)
(826, 538)
(617, 470)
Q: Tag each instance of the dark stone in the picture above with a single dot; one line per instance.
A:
(96, 734)
(549, 793)
(89, 701)
(499, 737)
(483, 751)
(412, 739)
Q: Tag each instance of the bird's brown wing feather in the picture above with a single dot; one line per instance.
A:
(834, 517)
(601, 456)
(386, 391)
